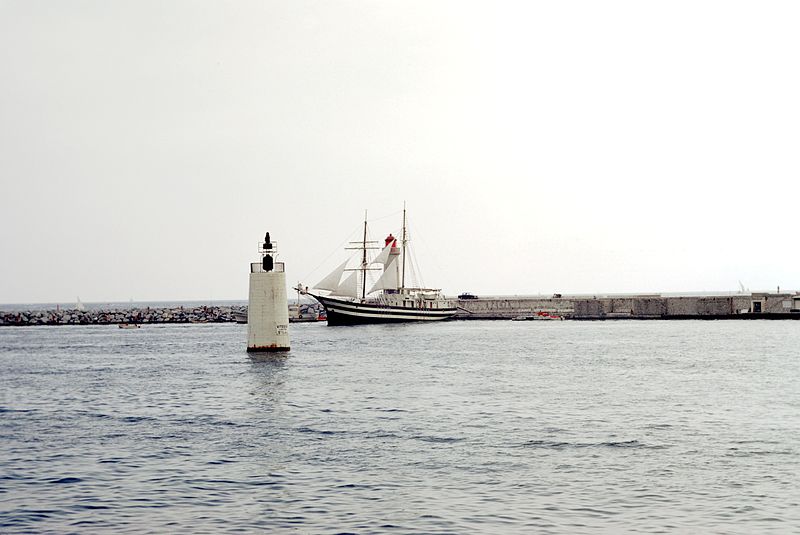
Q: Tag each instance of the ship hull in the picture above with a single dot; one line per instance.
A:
(342, 312)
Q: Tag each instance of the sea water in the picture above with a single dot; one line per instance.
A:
(457, 427)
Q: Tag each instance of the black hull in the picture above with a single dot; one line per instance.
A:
(341, 312)
(336, 318)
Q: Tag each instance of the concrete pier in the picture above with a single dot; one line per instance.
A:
(645, 306)
(577, 307)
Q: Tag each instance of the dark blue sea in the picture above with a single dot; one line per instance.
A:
(458, 427)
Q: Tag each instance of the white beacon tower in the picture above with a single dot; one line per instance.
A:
(267, 307)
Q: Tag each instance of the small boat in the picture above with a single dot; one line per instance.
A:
(389, 300)
(539, 316)
(304, 312)
(129, 326)
(302, 316)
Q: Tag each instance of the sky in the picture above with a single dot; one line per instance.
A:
(540, 147)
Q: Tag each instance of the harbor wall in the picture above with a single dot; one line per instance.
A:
(650, 306)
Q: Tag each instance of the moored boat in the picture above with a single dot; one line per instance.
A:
(389, 299)
(539, 316)
(303, 314)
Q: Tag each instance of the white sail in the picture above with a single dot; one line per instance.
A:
(387, 281)
(348, 287)
(383, 256)
(331, 282)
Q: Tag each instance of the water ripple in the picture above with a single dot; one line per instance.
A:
(463, 427)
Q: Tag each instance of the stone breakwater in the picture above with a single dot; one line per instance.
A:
(201, 314)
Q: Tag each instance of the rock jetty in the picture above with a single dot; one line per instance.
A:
(200, 314)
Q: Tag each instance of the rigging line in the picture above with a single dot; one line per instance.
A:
(417, 273)
(338, 248)
(367, 259)
(411, 274)
(371, 255)
(413, 265)
(385, 216)
(429, 253)
(412, 278)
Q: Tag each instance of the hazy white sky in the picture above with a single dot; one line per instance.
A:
(146, 146)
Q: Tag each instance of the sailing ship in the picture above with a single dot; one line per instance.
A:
(389, 300)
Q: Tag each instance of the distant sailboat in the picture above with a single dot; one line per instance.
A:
(78, 305)
(348, 301)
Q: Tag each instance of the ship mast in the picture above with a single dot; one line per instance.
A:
(364, 261)
(360, 245)
(403, 278)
